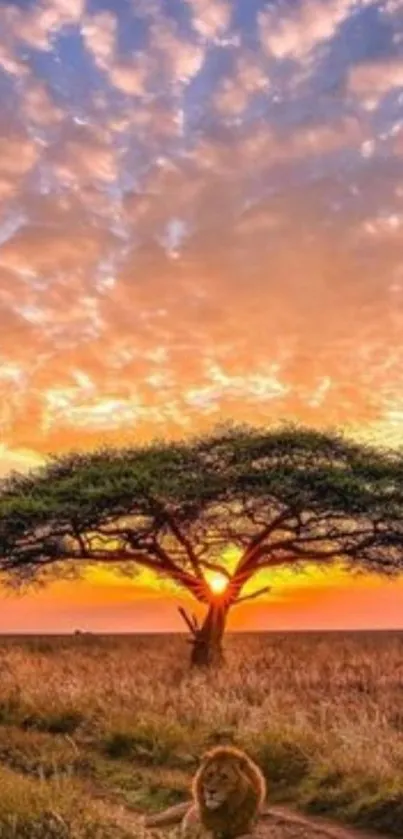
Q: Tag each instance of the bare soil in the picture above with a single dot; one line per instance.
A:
(283, 823)
(277, 823)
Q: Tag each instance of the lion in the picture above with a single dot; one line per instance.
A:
(229, 791)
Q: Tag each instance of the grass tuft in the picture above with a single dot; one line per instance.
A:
(32, 809)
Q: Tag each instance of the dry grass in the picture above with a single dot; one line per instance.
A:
(323, 715)
(56, 809)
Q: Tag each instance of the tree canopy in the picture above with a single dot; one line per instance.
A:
(286, 496)
(281, 496)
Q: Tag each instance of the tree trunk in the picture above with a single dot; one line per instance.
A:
(207, 641)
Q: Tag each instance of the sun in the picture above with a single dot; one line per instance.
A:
(217, 582)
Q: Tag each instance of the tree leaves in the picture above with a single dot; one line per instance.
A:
(281, 496)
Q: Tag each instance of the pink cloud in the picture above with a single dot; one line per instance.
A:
(211, 18)
(304, 27)
(371, 81)
(99, 34)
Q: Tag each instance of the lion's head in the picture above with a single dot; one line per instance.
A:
(220, 779)
(229, 790)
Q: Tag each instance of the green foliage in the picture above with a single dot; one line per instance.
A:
(160, 505)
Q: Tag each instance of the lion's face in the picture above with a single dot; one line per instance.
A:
(219, 781)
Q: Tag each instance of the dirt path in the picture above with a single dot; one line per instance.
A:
(278, 823)
(283, 823)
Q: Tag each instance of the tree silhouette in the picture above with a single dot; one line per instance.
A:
(281, 497)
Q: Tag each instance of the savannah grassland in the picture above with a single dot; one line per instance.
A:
(89, 723)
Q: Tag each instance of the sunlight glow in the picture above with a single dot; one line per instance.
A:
(217, 582)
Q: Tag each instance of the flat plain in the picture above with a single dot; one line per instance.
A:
(95, 730)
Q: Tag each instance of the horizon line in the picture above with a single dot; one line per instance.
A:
(86, 632)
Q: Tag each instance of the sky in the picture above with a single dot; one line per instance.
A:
(201, 218)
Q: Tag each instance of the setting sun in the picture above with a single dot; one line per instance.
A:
(218, 582)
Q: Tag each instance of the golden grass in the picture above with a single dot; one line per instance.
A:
(33, 809)
(322, 714)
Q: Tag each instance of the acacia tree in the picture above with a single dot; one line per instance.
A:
(283, 497)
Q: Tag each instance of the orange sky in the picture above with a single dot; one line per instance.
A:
(327, 602)
(201, 217)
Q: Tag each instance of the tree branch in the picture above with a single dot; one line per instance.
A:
(80, 539)
(163, 565)
(196, 586)
(181, 538)
(261, 537)
(330, 536)
(216, 567)
(147, 541)
(252, 596)
(298, 554)
(190, 621)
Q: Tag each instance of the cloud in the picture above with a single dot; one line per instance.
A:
(211, 18)
(40, 252)
(179, 60)
(65, 409)
(327, 138)
(397, 141)
(252, 75)
(182, 237)
(393, 8)
(208, 362)
(230, 99)
(9, 63)
(19, 460)
(371, 81)
(38, 107)
(388, 225)
(18, 155)
(43, 21)
(155, 123)
(99, 35)
(262, 148)
(82, 163)
(131, 76)
(294, 31)
(235, 92)
(176, 59)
